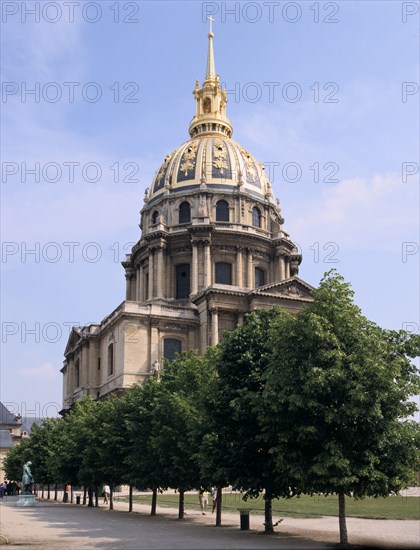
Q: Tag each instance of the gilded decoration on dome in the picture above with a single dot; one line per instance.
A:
(220, 162)
(188, 162)
(251, 169)
(160, 178)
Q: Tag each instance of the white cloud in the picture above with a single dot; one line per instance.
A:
(376, 212)
(45, 372)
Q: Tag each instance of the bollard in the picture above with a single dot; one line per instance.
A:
(244, 519)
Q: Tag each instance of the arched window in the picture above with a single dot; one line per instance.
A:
(222, 211)
(207, 105)
(184, 212)
(110, 359)
(77, 373)
(155, 217)
(259, 277)
(224, 273)
(182, 281)
(256, 217)
(170, 348)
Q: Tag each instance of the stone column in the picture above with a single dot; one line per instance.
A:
(84, 367)
(140, 283)
(214, 327)
(133, 282)
(70, 377)
(169, 278)
(281, 271)
(207, 265)
(239, 266)
(240, 317)
(287, 267)
(137, 293)
(151, 276)
(250, 270)
(160, 274)
(127, 286)
(93, 379)
(194, 269)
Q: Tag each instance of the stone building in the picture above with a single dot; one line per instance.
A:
(13, 428)
(212, 247)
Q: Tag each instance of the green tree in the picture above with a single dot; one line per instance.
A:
(41, 445)
(110, 442)
(336, 401)
(238, 450)
(141, 462)
(177, 420)
(15, 459)
(76, 447)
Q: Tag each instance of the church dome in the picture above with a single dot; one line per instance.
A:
(210, 160)
(214, 160)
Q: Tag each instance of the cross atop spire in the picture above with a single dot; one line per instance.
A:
(210, 100)
(210, 71)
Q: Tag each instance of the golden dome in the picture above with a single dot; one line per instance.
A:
(214, 161)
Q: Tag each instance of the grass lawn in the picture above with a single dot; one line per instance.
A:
(393, 507)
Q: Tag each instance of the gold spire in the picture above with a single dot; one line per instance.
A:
(210, 100)
(210, 71)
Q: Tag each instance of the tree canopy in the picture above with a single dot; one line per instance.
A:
(310, 402)
(336, 401)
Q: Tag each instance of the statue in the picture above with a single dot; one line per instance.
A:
(27, 479)
(203, 178)
(156, 369)
(202, 210)
(223, 99)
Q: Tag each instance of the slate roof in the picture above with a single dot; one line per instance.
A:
(6, 417)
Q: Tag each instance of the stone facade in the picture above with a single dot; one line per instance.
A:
(212, 248)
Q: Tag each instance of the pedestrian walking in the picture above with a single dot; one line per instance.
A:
(214, 498)
(107, 493)
(203, 497)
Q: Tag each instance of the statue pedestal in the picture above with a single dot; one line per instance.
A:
(26, 501)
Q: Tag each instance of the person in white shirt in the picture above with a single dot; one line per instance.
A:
(107, 493)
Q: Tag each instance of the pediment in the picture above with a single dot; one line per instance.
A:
(293, 288)
(74, 338)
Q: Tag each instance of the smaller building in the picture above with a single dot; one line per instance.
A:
(10, 434)
(12, 429)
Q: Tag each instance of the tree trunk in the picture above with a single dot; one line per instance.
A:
(90, 497)
(130, 499)
(55, 491)
(71, 494)
(111, 498)
(342, 518)
(96, 497)
(268, 513)
(219, 507)
(84, 495)
(42, 494)
(154, 502)
(48, 491)
(181, 504)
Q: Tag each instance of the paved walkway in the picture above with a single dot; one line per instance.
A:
(54, 525)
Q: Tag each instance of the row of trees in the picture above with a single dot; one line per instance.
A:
(316, 402)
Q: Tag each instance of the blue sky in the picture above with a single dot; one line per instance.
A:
(335, 103)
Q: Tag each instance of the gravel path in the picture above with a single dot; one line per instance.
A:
(54, 525)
